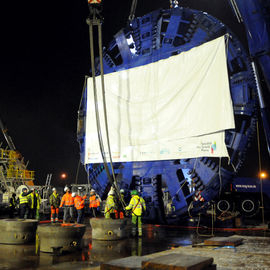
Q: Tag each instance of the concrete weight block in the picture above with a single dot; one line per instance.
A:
(110, 229)
(17, 231)
(56, 238)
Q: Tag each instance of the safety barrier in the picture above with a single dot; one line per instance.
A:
(20, 174)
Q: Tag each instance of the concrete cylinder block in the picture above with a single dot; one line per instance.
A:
(56, 238)
(17, 231)
(110, 229)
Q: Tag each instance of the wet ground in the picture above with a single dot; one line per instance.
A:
(155, 239)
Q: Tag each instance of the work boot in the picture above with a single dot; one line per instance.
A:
(56, 220)
(52, 220)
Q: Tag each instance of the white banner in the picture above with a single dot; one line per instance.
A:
(171, 109)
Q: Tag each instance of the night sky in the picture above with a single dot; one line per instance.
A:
(45, 56)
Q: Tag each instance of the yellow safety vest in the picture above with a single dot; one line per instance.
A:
(137, 204)
(32, 200)
(23, 199)
(12, 203)
(110, 205)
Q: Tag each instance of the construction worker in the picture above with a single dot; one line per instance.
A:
(54, 203)
(94, 203)
(35, 201)
(24, 203)
(68, 203)
(110, 205)
(119, 212)
(137, 206)
(79, 205)
(12, 205)
(122, 204)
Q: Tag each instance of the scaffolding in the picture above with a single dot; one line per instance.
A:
(13, 173)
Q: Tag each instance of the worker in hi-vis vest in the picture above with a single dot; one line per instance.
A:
(35, 201)
(110, 205)
(12, 205)
(94, 203)
(79, 205)
(54, 203)
(137, 206)
(68, 203)
(24, 203)
(119, 213)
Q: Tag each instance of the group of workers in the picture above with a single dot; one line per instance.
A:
(72, 201)
(29, 204)
(115, 207)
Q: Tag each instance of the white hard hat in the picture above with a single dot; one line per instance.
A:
(122, 191)
(65, 189)
(111, 192)
(54, 189)
(73, 194)
(92, 190)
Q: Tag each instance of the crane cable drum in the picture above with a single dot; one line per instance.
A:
(95, 20)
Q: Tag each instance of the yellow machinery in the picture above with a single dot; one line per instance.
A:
(13, 173)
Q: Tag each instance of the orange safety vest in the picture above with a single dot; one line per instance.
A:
(94, 202)
(67, 200)
(79, 202)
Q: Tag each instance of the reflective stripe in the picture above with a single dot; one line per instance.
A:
(67, 200)
(110, 205)
(79, 202)
(31, 196)
(23, 199)
(94, 201)
(12, 203)
(137, 204)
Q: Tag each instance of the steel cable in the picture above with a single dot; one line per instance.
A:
(101, 145)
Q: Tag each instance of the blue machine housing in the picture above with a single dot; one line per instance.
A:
(171, 188)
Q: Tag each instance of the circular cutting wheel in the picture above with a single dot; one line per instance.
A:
(180, 185)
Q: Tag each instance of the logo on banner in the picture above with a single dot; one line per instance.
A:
(205, 146)
(213, 147)
(164, 151)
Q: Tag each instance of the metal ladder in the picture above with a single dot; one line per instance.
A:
(46, 189)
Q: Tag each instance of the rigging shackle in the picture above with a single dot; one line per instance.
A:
(95, 8)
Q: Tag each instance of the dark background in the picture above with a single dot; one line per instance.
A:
(44, 58)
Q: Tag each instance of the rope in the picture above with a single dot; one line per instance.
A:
(260, 169)
(212, 228)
